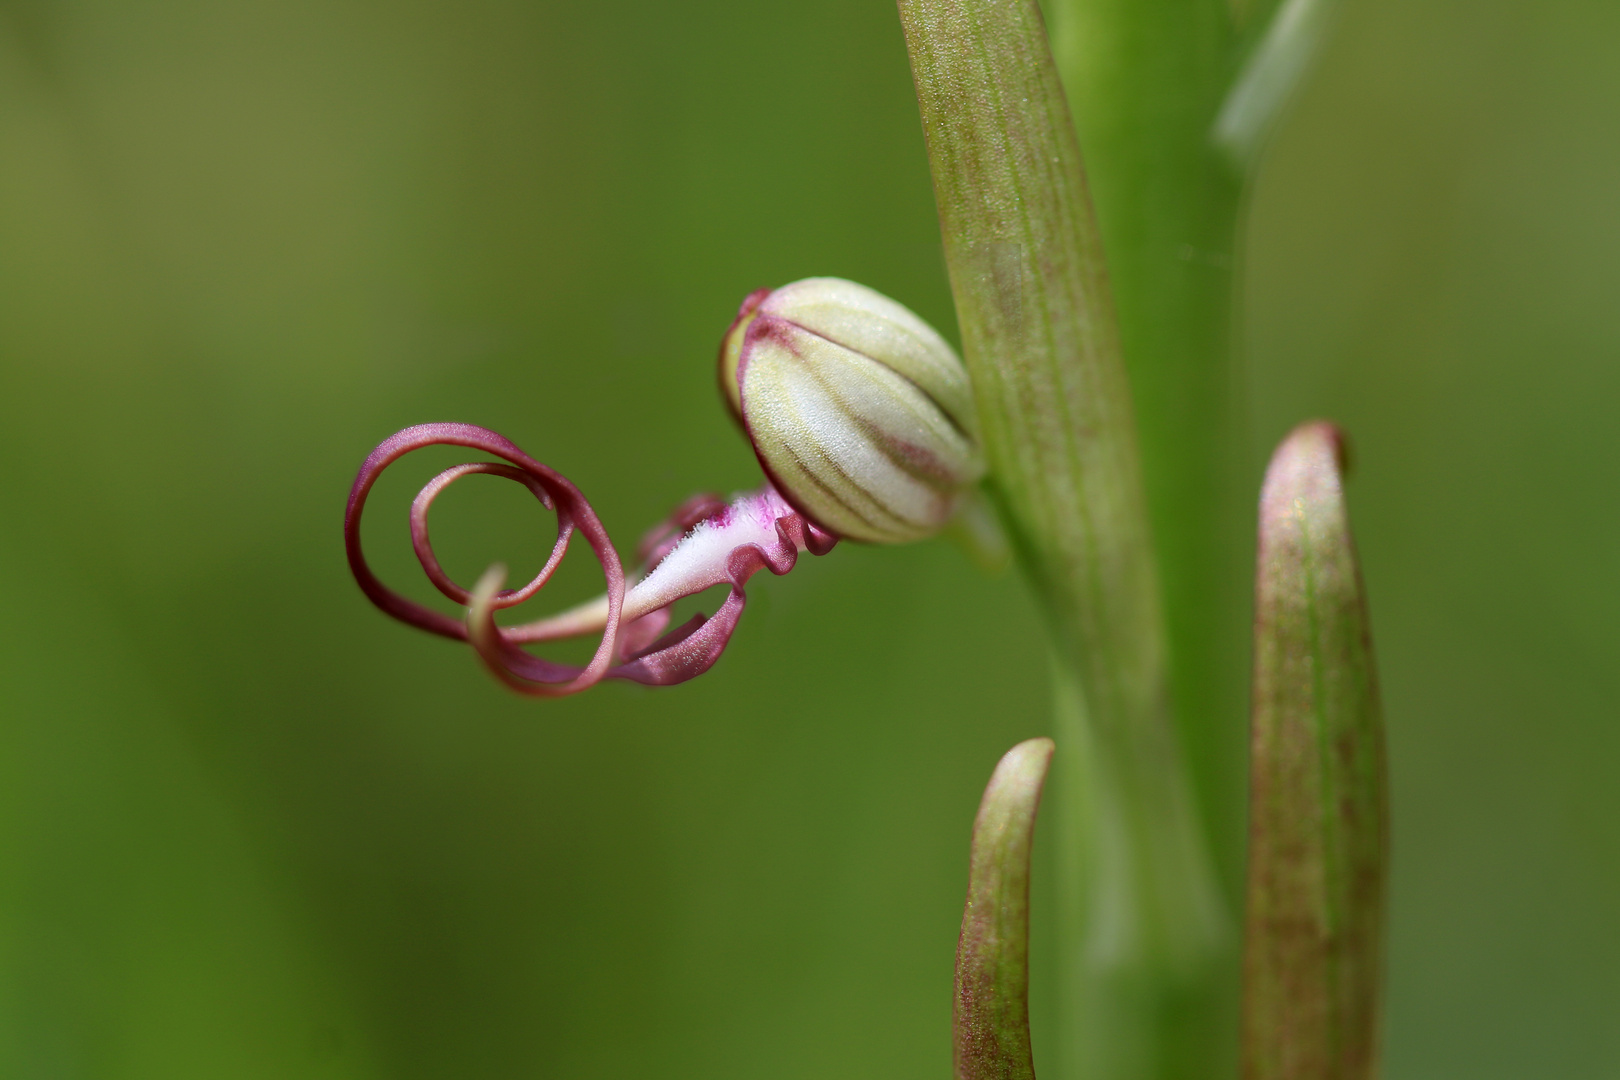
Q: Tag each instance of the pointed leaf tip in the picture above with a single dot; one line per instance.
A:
(992, 957)
(1318, 818)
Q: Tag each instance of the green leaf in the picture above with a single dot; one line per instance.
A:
(1037, 324)
(1318, 823)
(992, 958)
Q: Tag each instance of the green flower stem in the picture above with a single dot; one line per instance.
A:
(1142, 921)
(1142, 927)
(1318, 819)
(991, 1017)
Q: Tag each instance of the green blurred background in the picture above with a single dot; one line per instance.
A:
(251, 828)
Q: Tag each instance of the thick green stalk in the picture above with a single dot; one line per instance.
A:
(991, 1017)
(1173, 100)
(1146, 79)
(1318, 818)
(1040, 341)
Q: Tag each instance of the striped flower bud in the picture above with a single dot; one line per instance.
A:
(860, 413)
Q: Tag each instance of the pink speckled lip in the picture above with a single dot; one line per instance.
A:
(705, 542)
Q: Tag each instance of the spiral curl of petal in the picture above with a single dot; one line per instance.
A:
(705, 542)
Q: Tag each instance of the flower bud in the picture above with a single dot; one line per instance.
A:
(860, 413)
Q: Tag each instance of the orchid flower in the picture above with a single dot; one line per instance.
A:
(862, 418)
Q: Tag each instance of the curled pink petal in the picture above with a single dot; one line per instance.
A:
(423, 544)
(704, 543)
(523, 672)
(573, 511)
(687, 652)
(637, 637)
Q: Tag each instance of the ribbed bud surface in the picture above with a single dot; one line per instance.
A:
(859, 411)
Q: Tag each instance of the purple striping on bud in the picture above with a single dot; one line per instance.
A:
(860, 413)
